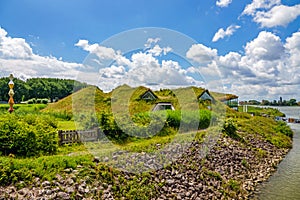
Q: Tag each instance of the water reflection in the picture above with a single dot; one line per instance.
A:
(284, 184)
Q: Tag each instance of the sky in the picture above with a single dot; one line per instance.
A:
(249, 48)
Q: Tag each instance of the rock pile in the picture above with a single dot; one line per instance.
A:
(231, 170)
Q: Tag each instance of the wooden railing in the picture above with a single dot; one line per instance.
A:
(75, 136)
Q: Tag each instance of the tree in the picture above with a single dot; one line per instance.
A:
(265, 102)
(40, 88)
(292, 102)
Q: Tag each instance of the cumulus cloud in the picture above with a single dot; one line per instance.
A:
(17, 57)
(271, 13)
(14, 48)
(267, 66)
(144, 67)
(292, 46)
(101, 51)
(157, 50)
(221, 33)
(257, 5)
(201, 53)
(278, 16)
(151, 41)
(266, 46)
(223, 3)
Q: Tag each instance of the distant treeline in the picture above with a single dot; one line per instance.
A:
(50, 88)
(280, 102)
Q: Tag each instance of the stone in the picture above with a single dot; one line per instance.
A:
(63, 195)
(46, 183)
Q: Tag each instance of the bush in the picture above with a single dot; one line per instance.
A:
(229, 128)
(189, 120)
(44, 101)
(174, 118)
(283, 128)
(28, 135)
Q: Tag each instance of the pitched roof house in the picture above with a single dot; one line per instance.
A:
(148, 96)
(205, 95)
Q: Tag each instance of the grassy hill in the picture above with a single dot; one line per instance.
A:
(92, 99)
(80, 101)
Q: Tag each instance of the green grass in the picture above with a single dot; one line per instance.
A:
(258, 111)
(277, 133)
(66, 125)
(13, 170)
(23, 108)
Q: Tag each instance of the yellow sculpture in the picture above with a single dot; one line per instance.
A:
(11, 94)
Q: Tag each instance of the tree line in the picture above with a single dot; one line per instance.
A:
(280, 102)
(50, 88)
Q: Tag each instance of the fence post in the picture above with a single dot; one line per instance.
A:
(60, 137)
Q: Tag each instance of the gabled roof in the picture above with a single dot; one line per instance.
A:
(205, 95)
(228, 97)
(148, 95)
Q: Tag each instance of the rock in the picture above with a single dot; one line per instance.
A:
(23, 191)
(70, 190)
(48, 192)
(187, 194)
(46, 183)
(68, 170)
(81, 190)
(96, 159)
(63, 195)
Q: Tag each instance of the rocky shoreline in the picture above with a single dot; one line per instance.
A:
(231, 170)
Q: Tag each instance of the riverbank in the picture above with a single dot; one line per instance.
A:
(284, 183)
(230, 170)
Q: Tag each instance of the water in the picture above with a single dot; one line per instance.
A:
(285, 183)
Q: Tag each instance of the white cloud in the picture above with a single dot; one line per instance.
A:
(223, 3)
(157, 50)
(14, 48)
(266, 46)
(292, 46)
(201, 54)
(256, 5)
(17, 57)
(112, 72)
(271, 13)
(153, 48)
(146, 69)
(280, 15)
(221, 33)
(141, 68)
(101, 51)
(266, 67)
(151, 41)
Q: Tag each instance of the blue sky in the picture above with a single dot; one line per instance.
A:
(241, 38)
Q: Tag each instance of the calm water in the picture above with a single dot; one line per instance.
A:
(285, 183)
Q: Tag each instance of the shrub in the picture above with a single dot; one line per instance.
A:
(44, 101)
(28, 135)
(229, 128)
(174, 118)
(148, 124)
(189, 120)
(283, 128)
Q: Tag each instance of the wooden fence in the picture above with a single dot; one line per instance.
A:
(74, 136)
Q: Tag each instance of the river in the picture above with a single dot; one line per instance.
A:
(285, 182)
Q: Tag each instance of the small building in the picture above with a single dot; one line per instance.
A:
(205, 96)
(231, 101)
(163, 106)
(148, 96)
